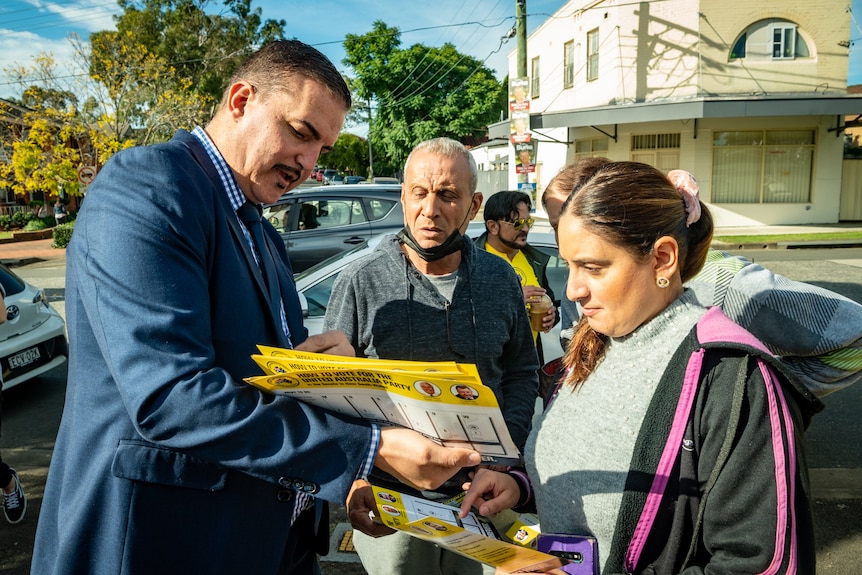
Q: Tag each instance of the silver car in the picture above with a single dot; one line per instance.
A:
(33, 338)
(315, 284)
(317, 223)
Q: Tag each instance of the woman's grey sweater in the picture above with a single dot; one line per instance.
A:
(578, 455)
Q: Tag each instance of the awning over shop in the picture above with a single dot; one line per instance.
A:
(699, 108)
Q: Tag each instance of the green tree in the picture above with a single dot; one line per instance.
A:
(164, 68)
(202, 46)
(140, 95)
(349, 154)
(420, 92)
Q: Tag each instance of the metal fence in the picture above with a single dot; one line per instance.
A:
(492, 181)
(8, 210)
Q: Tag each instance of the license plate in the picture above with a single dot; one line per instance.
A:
(23, 358)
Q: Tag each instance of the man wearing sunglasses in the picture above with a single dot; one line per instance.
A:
(507, 225)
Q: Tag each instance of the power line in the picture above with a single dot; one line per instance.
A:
(73, 14)
(484, 24)
(425, 86)
(56, 3)
(503, 40)
(427, 28)
(131, 69)
(394, 94)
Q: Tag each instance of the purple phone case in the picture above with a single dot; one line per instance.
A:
(568, 546)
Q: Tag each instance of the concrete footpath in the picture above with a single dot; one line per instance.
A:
(854, 227)
(19, 253)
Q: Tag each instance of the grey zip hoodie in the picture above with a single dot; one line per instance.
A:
(390, 310)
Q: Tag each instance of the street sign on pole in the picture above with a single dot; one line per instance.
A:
(86, 174)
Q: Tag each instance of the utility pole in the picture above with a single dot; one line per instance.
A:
(370, 157)
(521, 34)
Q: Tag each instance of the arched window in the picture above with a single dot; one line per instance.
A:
(771, 39)
(738, 50)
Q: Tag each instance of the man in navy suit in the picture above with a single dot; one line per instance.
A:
(165, 461)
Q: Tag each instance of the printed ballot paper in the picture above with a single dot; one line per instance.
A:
(445, 401)
(471, 536)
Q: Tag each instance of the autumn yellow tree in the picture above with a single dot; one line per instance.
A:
(53, 134)
(43, 148)
(140, 94)
(45, 137)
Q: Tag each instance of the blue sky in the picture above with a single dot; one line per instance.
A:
(28, 27)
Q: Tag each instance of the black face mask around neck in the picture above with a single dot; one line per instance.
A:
(453, 243)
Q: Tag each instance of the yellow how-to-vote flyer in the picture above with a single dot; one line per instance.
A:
(307, 360)
(444, 401)
(471, 536)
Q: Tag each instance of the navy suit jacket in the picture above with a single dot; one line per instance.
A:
(166, 461)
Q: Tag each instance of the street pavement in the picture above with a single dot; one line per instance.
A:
(837, 490)
(18, 253)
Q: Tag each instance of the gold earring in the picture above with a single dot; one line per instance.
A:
(662, 282)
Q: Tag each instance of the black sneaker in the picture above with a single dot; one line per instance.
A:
(15, 503)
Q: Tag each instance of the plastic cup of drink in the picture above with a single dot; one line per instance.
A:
(538, 311)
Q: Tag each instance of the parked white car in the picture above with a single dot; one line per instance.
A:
(33, 338)
(315, 284)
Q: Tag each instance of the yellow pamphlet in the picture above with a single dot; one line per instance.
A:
(471, 536)
(445, 401)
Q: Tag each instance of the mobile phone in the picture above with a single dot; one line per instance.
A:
(579, 553)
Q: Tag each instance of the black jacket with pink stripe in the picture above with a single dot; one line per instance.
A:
(718, 480)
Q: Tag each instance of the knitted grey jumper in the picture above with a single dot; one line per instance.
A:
(578, 455)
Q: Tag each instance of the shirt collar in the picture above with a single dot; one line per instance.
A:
(234, 193)
(491, 249)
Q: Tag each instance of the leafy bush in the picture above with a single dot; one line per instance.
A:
(20, 219)
(62, 235)
(35, 225)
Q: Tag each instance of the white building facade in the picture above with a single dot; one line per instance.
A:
(751, 98)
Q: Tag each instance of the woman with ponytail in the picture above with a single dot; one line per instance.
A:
(675, 439)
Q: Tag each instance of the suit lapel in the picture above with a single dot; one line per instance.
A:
(233, 223)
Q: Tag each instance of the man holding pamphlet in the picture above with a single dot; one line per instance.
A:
(166, 461)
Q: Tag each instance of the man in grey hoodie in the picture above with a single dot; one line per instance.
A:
(426, 294)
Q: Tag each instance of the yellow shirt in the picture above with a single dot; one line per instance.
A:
(522, 268)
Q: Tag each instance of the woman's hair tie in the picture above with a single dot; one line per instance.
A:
(686, 185)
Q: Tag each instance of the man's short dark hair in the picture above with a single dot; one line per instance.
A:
(504, 205)
(270, 68)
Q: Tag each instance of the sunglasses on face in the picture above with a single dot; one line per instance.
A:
(518, 224)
